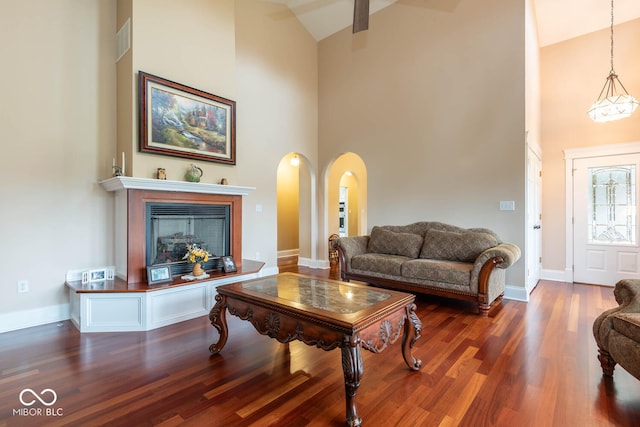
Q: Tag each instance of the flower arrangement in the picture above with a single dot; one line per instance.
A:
(195, 254)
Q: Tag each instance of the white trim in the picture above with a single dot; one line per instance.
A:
(555, 275)
(288, 253)
(570, 155)
(119, 183)
(311, 263)
(516, 293)
(34, 317)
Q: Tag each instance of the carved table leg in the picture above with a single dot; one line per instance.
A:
(412, 328)
(353, 371)
(218, 318)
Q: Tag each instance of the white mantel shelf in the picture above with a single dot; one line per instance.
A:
(119, 183)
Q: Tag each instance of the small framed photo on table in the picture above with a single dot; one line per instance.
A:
(159, 273)
(228, 265)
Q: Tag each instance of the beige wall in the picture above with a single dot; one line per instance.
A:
(433, 102)
(572, 75)
(58, 119)
(198, 51)
(277, 69)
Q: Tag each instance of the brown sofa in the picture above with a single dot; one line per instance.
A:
(432, 258)
(617, 331)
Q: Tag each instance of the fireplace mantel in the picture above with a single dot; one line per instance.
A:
(130, 183)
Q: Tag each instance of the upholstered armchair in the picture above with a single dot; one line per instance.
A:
(617, 331)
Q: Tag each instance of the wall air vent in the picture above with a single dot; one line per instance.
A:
(123, 39)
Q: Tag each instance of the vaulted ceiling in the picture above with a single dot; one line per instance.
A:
(557, 20)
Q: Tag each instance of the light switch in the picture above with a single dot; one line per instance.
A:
(507, 205)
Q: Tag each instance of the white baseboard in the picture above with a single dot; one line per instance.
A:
(557, 275)
(288, 253)
(314, 263)
(34, 317)
(516, 293)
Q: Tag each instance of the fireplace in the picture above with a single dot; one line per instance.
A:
(196, 218)
(134, 196)
(172, 227)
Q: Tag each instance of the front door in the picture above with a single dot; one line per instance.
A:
(605, 217)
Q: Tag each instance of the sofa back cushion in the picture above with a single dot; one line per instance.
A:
(383, 241)
(452, 246)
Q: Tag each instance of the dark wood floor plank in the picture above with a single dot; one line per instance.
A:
(528, 364)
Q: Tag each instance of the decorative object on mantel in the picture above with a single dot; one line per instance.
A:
(117, 170)
(224, 181)
(193, 174)
(159, 273)
(228, 264)
(196, 256)
(178, 120)
(97, 275)
(161, 173)
(612, 103)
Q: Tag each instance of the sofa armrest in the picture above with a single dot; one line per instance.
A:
(508, 252)
(627, 294)
(348, 247)
(485, 279)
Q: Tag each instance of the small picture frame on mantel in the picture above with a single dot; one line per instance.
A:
(228, 264)
(159, 273)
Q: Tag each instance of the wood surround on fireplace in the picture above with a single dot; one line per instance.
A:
(132, 195)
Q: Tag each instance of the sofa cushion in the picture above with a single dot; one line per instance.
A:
(378, 263)
(452, 246)
(383, 241)
(628, 324)
(453, 272)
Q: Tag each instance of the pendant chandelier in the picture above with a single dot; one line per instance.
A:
(612, 103)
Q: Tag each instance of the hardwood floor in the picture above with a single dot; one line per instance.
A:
(528, 364)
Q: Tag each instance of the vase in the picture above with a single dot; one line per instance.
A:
(197, 270)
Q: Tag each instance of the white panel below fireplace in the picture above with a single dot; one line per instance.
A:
(183, 303)
(99, 311)
(144, 311)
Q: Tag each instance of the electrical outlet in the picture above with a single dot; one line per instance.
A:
(257, 256)
(23, 286)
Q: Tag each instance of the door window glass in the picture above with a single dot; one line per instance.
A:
(612, 216)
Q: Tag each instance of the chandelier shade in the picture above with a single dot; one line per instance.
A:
(614, 102)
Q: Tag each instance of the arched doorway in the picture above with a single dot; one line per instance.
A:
(347, 196)
(296, 217)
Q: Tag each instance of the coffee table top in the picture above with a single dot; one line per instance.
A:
(326, 298)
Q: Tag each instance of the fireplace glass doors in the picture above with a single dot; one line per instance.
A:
(173, 226)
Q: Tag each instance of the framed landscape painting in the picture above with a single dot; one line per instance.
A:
(178, 120)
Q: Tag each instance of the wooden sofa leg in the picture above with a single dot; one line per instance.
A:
(484, 308)
(606, 362)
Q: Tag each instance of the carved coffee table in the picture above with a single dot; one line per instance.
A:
(326, 314)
